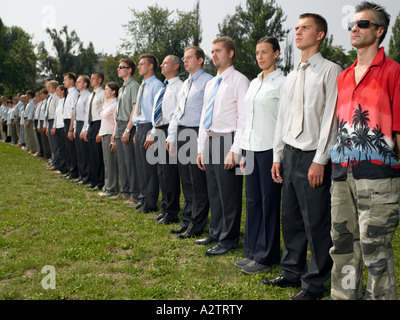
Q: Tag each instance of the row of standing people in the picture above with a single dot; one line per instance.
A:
(282, 132)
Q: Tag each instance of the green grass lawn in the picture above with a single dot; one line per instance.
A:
(102, 250)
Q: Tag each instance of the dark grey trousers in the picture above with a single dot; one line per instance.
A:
(225, 189)
(147, 173)
(194, 187)
(306, 221)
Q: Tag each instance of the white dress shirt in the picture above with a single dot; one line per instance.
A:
(70, 101)
(229, 113)
(169, 103)
(37, 110)
(81, 107)
(107, 117)
(262, 106)
(42, 110)
(97, 106)
(51, 109)
(319, 123)
(58, 115)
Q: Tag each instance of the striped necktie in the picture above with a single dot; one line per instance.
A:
(158, 108)
(210, 107)
(182, 104)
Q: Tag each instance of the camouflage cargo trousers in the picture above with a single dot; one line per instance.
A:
(365, 215)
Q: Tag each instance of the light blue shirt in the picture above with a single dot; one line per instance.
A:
(30, 110)
(151, 88)
(193, 106)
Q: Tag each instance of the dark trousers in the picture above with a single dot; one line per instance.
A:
(96, 164)
(71, 152)
(45, 141)
(62, 163)
(306, 221)
(55, 149)
(147, 172)
(82, 154)
(168, 176)
(194, 185)
(225, 189)
(263, 207)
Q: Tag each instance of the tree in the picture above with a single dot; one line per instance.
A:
(110, 69)
(259, 19)
(86, 60)
(18, 70)
(161, 32)
(71, 55)
(336, 53)
(2, 35)
(394, 44)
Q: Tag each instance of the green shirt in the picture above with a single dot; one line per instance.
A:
(126, 99)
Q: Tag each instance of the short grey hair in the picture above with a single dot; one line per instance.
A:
(176, 60)
(382, 18)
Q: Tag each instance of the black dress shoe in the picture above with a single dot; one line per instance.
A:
(167, 220)
(79, 181)
(161, 215)
(178, 231)
(304, 294)
(216, 251)
(144, 209)
(140, 204)
(282, 282)
(206, 241)
(187, 235)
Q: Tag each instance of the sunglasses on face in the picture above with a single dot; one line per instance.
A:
(122, 67)
(362, 24)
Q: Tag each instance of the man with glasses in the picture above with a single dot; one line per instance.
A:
(366, 168)
(124, 132)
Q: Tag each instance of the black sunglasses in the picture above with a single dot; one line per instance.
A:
(362, 24)
(122, 67)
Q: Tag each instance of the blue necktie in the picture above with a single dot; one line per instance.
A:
(158, 108)
(210, 108)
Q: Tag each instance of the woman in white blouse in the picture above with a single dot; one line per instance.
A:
(111, 186)
(263, 196)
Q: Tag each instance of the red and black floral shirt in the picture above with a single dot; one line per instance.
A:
(368, 114)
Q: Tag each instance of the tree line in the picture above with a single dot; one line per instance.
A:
(162, 32)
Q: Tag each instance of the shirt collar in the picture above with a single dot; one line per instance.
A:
(197, 74)
(314, 60)
(271, 76)
(378, 61)
(149, 80)
(173, 80)
(226, 73)
(127, 81)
